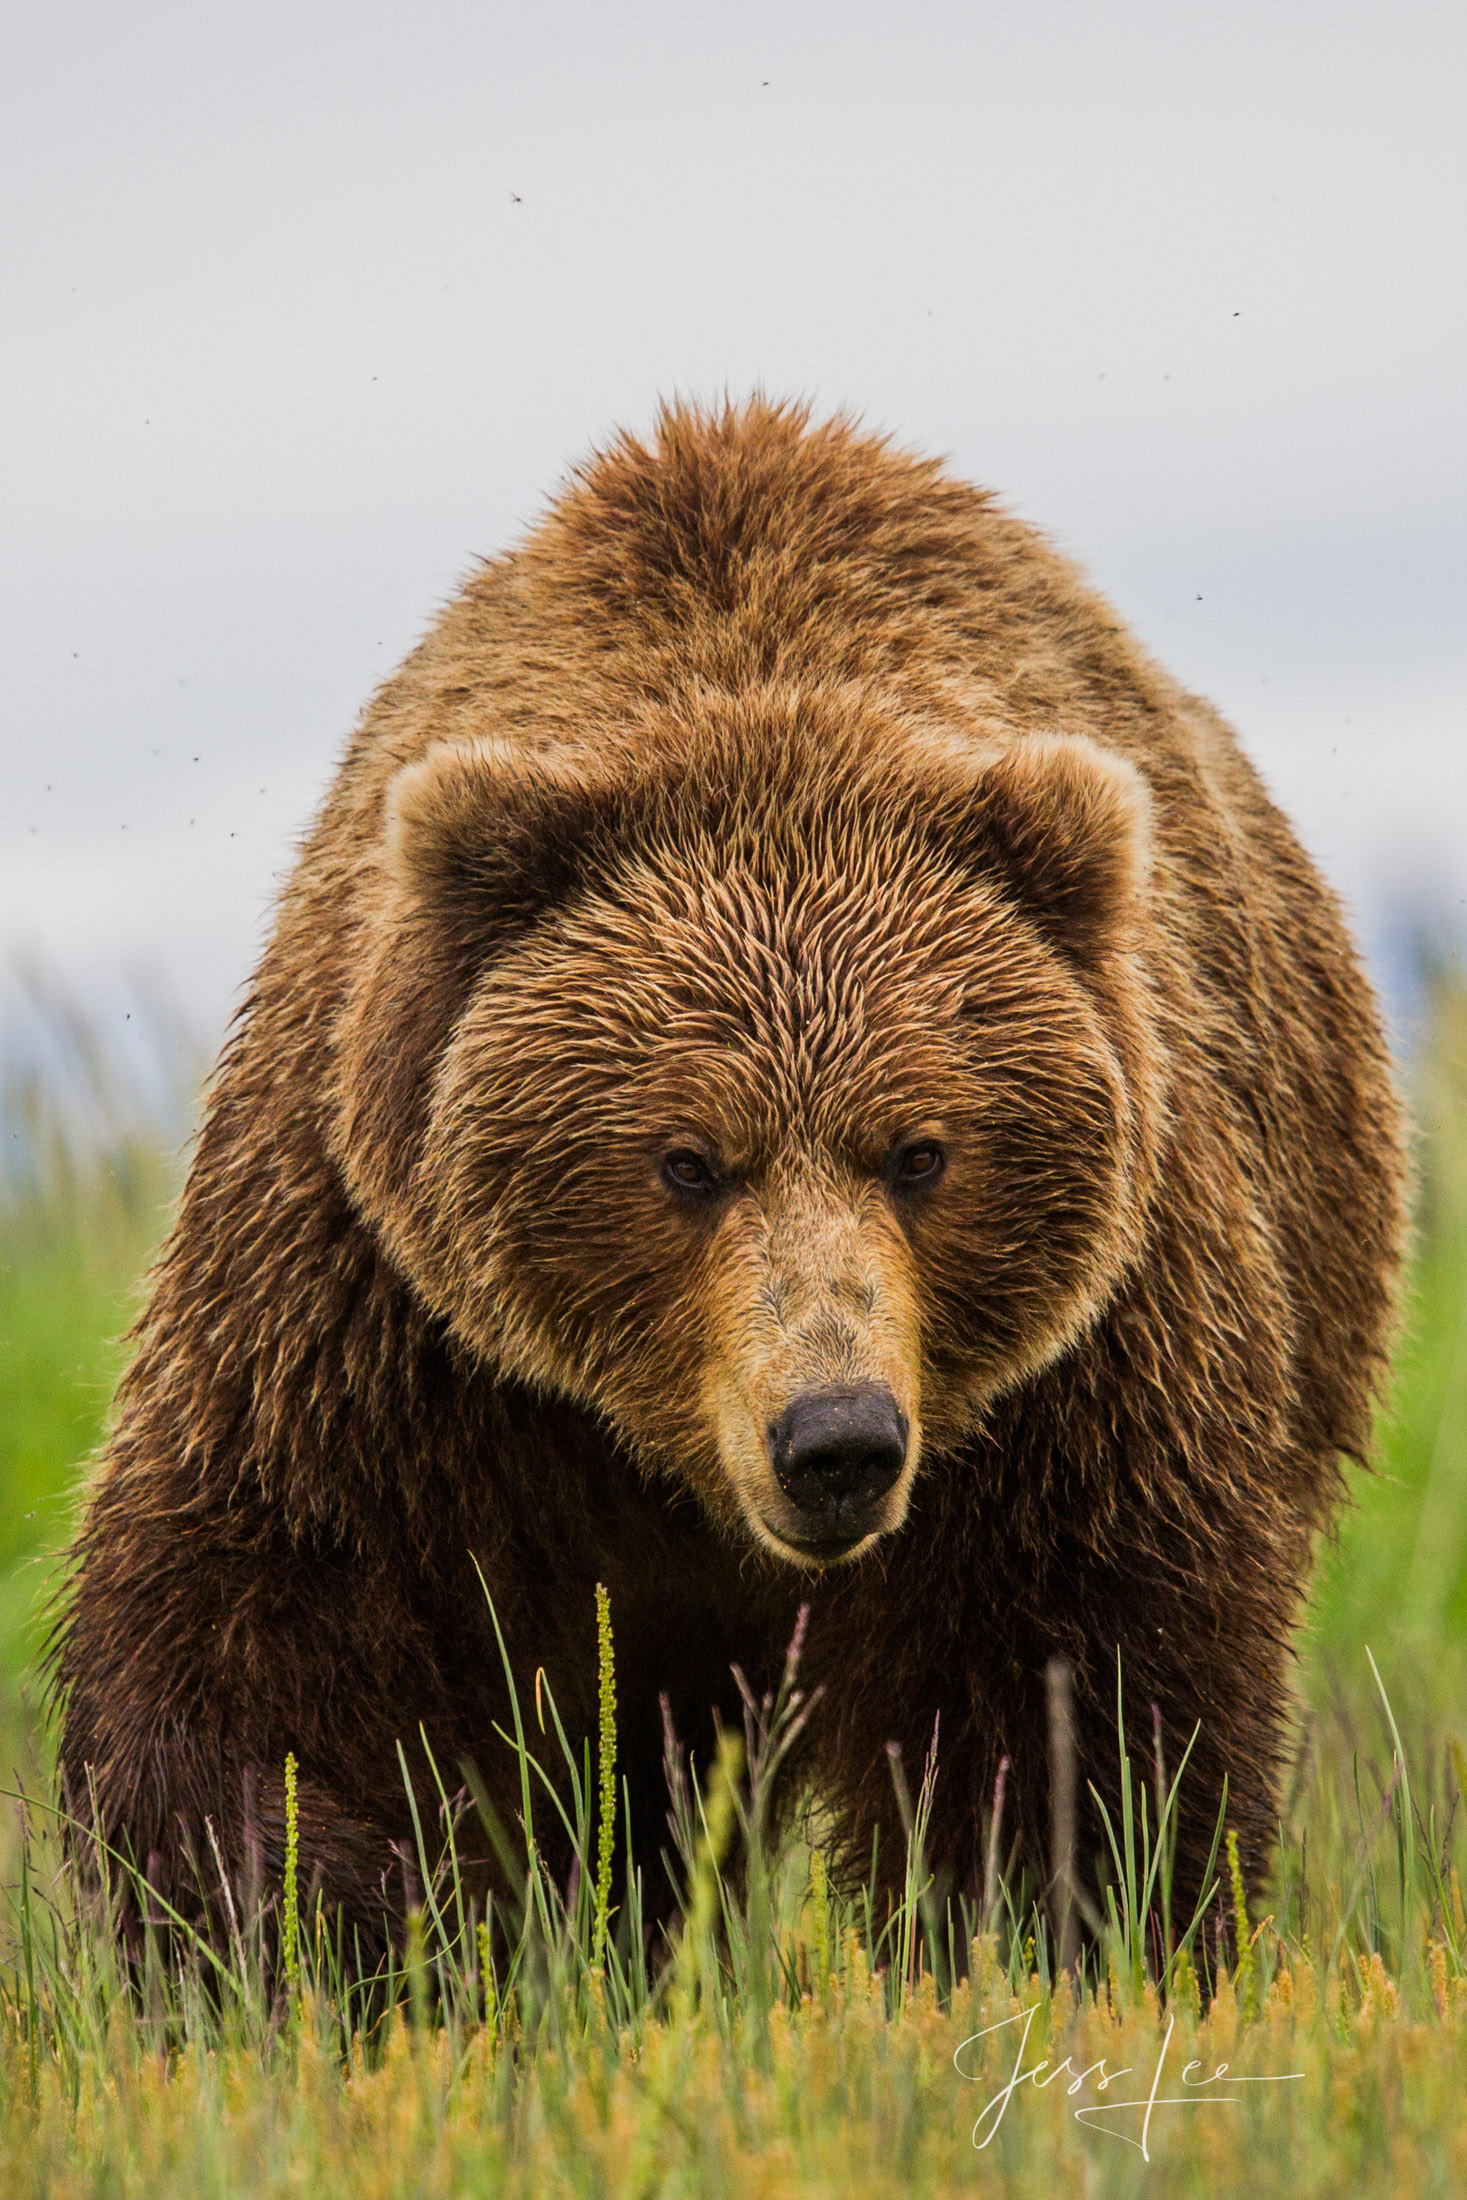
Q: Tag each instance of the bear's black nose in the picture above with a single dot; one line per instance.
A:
(835, 1452)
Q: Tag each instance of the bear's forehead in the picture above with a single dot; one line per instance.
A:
(789, 952)
(791, 906)
(763, 996)
(758, 1081)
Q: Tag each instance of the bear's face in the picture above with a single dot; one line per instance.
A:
(768, 1119)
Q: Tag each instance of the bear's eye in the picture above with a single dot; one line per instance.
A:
(920, 1163)
(687, 1172)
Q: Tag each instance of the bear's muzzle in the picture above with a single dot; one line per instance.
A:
(835, 1453)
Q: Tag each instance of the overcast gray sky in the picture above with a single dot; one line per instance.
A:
(306, 306)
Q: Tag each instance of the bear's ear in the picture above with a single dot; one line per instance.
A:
(1069, 824)
(484, 832)
(478, 839)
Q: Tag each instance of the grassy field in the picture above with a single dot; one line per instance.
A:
(788, 2047)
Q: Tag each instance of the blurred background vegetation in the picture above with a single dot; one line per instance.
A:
(92, 1157)
(1396, 1576)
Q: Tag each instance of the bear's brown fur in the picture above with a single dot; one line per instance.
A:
(777, 938)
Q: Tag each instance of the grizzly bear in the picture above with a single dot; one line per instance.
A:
(795, 1066)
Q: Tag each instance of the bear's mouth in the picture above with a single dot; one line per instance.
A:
(827, 1551)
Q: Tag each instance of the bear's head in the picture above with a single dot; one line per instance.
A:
(778, 1084)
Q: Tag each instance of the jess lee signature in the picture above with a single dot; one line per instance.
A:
(1195, 2095)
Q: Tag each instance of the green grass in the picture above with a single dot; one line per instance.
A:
(70, 1275)
(793, 2043)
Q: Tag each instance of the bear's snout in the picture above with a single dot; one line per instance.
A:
(835, 1454)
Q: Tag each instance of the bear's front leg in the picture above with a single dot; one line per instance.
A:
(1154, 1657)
